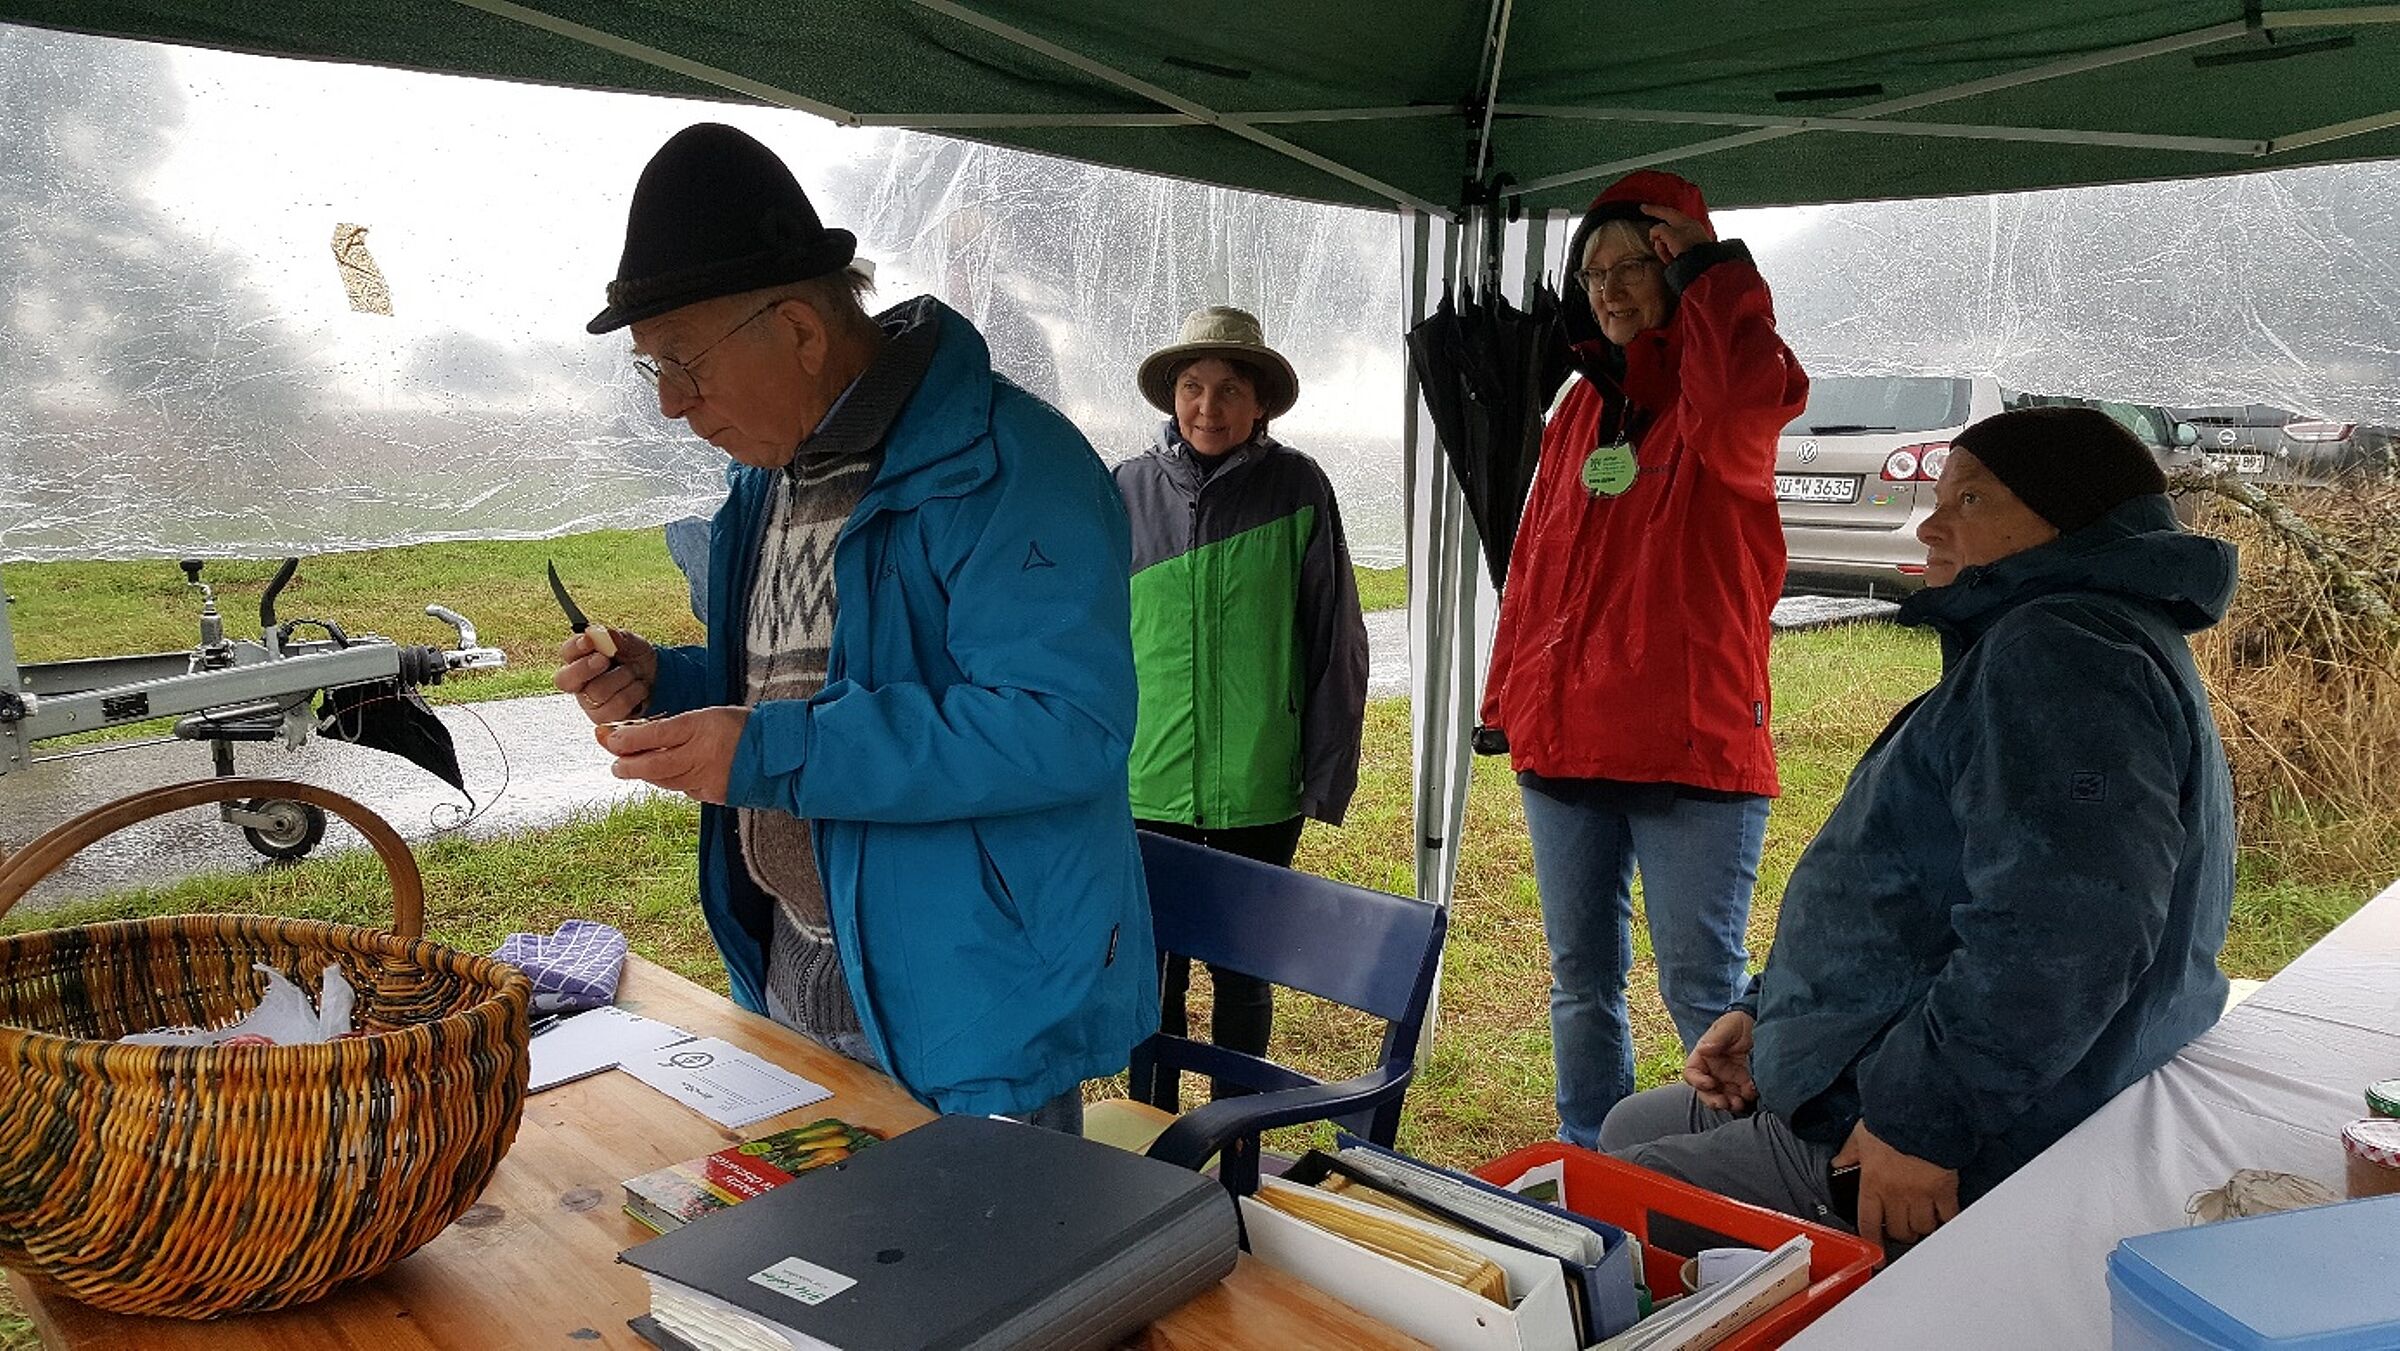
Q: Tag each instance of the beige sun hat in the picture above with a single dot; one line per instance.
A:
(1222, 331)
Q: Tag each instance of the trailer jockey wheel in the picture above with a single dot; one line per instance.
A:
(292, 828)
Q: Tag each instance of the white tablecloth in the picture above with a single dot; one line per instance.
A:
(2270, 1086)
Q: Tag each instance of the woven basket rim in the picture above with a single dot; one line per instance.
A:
(495, 978)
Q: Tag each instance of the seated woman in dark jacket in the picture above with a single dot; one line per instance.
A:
(2015, 910)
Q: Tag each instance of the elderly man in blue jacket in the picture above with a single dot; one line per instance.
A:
(2015, 910)
(912, 716)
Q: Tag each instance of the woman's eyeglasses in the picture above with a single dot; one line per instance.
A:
(1624, 274)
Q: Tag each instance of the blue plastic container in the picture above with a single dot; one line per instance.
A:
(2326, 1279)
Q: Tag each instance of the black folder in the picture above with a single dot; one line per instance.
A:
(967, 1232)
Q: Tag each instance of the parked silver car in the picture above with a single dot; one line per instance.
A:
(2273, 445)
(1854, 475)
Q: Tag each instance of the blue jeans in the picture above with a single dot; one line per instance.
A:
(1699, 862)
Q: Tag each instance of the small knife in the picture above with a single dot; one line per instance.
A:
(602, 639)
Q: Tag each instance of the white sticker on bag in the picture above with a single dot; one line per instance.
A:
(804, 1281)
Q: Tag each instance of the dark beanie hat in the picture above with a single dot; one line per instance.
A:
(715, 214)
(2071, 465)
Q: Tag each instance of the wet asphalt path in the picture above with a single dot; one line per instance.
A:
(551, 767)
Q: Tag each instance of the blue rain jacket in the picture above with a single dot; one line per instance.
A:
(964, 767)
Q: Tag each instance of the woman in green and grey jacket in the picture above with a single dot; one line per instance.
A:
(1247, 638)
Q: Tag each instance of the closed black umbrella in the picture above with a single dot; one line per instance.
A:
(1488, 371)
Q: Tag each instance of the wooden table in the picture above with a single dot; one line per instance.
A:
(533, 1264)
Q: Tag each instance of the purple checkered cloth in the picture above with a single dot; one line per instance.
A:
(573, 969)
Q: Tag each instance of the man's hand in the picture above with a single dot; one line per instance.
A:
(1675, 232)
(1718, 1068)
(690, 753)
(607, 690)
(1898, 1194)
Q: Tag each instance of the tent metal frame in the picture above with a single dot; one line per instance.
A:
(1757, 128)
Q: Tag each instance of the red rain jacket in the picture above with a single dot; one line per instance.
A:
(1633, 629)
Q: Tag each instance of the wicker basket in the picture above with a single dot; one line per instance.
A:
(200, 1181)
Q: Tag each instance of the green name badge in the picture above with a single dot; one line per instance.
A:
(1610, 470)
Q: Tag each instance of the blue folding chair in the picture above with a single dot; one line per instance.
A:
(1367, 950)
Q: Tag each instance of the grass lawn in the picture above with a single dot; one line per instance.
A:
(619, 577)
(1487, 1086)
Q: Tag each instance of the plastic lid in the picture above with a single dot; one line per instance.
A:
(2383, 1099)
(2318, 1278)
(2376, 1139)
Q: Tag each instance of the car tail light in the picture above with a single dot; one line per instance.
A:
(2316, 431)
(1916, 464)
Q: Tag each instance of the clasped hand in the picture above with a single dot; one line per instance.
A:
(690, 753)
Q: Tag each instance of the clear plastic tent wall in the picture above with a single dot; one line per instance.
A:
(2279, 289)
(192, 335)
(188, 374)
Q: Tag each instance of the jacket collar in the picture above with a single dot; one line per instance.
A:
(1181, 463)
(861, 418)
(939, 441)
(2137, 553)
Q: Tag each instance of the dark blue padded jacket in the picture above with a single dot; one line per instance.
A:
(2015, 910)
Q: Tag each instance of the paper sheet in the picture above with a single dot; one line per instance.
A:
(587, 1043)
(721, 1081)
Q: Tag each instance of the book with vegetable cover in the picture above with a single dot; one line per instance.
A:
(675, 1195)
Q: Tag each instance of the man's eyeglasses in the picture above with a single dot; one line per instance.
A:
(675, 377)
(1624, 274)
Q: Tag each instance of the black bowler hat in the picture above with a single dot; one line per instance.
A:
(715, 214)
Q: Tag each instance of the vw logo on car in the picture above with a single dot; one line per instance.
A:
(1808, 452)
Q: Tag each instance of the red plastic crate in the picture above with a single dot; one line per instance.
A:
(1632, 1198)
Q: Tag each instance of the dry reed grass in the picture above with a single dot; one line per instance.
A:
(2306, 686)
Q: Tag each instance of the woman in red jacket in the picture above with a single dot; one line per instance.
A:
(1629, 674)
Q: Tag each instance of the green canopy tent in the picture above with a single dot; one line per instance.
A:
(1459, 115)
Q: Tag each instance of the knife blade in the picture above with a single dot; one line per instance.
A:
(575, 619)
(602, 640)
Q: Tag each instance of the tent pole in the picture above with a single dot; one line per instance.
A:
(1429, 490)
(1495, 51)
(1007, 121)
(2328, 18)
(2301, 140)
(2207, 145)
(1416, 251)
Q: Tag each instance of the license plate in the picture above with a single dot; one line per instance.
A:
(2239, 464)
(1835, 488)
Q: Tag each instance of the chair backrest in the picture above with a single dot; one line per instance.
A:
(1365, 949)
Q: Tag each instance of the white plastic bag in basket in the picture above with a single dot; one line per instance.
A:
(283, 1016)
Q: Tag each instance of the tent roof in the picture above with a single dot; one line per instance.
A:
(1380, 104)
